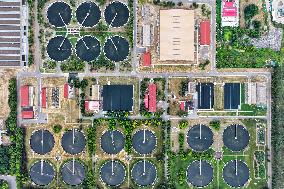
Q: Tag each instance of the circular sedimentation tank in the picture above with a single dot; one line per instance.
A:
(59, 48)
(88, 48)
(199, 173)
(73, 141)
(73, 172)
(59, 14)
(113, 173)
(112, 142)
(88, 14)
(42, 173)
(116, 14)
(200, 138)
(236, 173)
(144, 141)
(116, 48)
(144, 173)
(42, 141)
(236, 137)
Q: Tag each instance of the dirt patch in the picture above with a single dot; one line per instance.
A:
(219, 97)
(174, 86)
(260, 16)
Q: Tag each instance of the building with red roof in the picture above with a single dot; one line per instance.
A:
(150, 98)
(229, 9)
(186, 105)
(205, 32)
(87, 106)
(230, 13)
(43, 97)
(92, 105)
(25, 96)
(146, 101)
(182, 105)
(66, 89)
(146, 59)
(27, 114)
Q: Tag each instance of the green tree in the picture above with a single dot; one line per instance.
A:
(215, 124)
(256, 24)
(204, 64)
(183, 124)
(4, 184)
(57, 128)
(195, 5)
(181, 176)
(250, 11)
(181, 141)
(4, 160)
(83, 84)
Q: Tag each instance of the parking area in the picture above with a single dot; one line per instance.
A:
(10, 33)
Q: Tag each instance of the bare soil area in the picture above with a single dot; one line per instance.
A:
(260, 16)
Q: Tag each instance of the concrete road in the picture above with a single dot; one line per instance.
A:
(269, 125)
(151, 75)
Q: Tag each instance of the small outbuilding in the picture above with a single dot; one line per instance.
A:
(92, 106)
(146, 30)
(146, 59)
(69, 91)
(27, 114)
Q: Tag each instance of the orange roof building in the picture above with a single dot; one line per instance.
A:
(27, 114)
(24, 95)
(43, 97)
(205, 32)
(146, 59)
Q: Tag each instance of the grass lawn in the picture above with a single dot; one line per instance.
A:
(252, 110)
(73, 41)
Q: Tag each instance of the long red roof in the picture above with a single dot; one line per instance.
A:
(27, 114)
(152, 98)
(87, 105)
(43, 97)
(24, 95)
(205, 32)
(66, 90)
